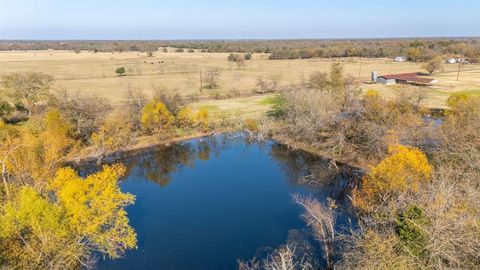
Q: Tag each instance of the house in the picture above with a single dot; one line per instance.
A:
(456, 60)
(405, 78)
(452, 61)
(399, 59)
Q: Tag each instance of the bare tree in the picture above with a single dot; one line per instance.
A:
(283, 258)
(86, 113)
(322, 221)
(136, 100)
(257, 131)
(433, 64)
(269, 84)
(252, 264)
(211, 78)
(28, 88)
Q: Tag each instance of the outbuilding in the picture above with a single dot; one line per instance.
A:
(405, 78)
(385, 80)
(452, 61)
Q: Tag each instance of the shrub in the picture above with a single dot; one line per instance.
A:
(251, 125)
(201, 118)
(236, 57)
(409, 228)
(279, 109)
(5, 108)
(404, 170)
(318, 80)
(455, 99)
(465, 108)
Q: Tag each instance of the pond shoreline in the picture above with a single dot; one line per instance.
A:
(140, 146)
(151, 143)
(315, 151)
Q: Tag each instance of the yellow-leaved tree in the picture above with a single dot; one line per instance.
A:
(403, 170)
(202, 118)
(39, 149)
(114, 134)
(95, 208)
(156, 119)
(34, 233)
(63, 227)
(185, 117)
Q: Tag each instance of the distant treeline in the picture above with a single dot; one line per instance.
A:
(413, 49)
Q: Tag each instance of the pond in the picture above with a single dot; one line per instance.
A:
(204, 203)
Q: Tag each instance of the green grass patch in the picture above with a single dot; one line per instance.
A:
(268, 101)
(475, 92)
(209, 107)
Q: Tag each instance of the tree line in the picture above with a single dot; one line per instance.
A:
(413, 49)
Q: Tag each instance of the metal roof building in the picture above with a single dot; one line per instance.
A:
(405, 78)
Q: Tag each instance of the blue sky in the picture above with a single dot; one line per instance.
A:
(236, 19)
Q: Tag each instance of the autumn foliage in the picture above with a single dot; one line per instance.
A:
(114, 134)
(156, 118)
(38, 149)
(185, 117)
(403, 170)
(202, 118)
(61, 228)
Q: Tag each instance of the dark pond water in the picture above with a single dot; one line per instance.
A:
(205, 203)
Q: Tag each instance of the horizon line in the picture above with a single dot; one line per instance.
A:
(243, 39)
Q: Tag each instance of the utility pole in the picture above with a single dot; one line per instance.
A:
(360, 69)
(201, 82)
(458, 73)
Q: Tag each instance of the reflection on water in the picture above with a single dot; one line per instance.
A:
(204, 203)
(333, 180)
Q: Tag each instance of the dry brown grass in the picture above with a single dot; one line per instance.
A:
(91, 73)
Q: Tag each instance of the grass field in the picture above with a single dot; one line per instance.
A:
(94, 73)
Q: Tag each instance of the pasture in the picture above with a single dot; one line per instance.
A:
(94, 73)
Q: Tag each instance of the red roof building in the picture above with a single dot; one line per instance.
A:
(405, 78)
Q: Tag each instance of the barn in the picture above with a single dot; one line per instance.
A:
(405, 78)
(384, 80)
